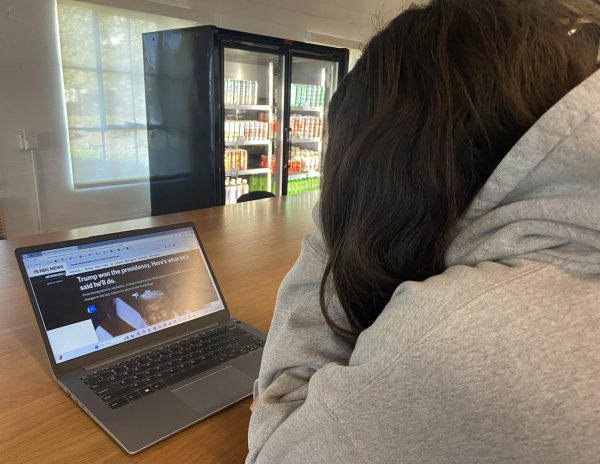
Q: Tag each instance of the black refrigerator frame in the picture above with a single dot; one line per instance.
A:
(177, 193)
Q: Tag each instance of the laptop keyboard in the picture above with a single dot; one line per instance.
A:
(135, 378)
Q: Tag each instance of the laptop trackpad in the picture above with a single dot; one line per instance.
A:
(226, 385)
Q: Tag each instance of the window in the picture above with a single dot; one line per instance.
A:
(103, 73)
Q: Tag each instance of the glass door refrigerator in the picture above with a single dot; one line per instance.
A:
(313, 82)
(231, 113)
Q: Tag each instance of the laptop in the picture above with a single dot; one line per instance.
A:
(137, 331)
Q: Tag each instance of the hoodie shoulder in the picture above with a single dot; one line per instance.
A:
(480, 364)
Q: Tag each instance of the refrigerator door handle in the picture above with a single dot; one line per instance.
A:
(286, 131)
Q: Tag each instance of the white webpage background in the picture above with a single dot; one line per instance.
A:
(71, 337)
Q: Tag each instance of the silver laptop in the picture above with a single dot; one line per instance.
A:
(137, 331)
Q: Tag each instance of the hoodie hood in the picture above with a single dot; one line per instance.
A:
(543, 200)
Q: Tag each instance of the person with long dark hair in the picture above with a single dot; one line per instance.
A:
(447, 307)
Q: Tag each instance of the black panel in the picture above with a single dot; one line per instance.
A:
(180, 106)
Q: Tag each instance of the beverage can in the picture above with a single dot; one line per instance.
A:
(242, 93)
(227, 97)
(236, 92)
(248, 95)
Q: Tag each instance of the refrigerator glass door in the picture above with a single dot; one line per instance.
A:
(313, 83)
(253, 103)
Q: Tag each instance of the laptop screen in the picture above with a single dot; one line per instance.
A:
(96, 295)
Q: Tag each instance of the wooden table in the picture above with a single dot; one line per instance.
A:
(251, 246)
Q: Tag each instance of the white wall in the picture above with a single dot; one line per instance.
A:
(31, 96)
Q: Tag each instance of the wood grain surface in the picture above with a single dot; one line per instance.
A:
(250, 246)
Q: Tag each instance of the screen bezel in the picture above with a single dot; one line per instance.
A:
(149, 340)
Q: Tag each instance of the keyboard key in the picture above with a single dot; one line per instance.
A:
(133, 396)
(118, 403)
(111, 396)
(158, 385)
(108, 390)
(245, 339)
(100, 385)
(90, 380)
(147, 390)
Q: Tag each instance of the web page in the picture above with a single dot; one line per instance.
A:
(98, 295)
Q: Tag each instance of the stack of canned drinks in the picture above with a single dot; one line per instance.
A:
(260, 182)
(249, 130)
(307, 95)
(306, 127)
(305, 184)
(241, 92)
(302, 160)
(236, 159)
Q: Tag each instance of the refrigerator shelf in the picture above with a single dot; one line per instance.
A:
(247, 142)
(318, 109)
(248, 107)
(311, 140)
(246, 172)
(303, 175)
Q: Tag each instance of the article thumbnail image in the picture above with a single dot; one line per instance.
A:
(151, 298)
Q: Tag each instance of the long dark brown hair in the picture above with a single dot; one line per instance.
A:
(436, 101)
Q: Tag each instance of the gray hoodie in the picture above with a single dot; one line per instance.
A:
(496, 360)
